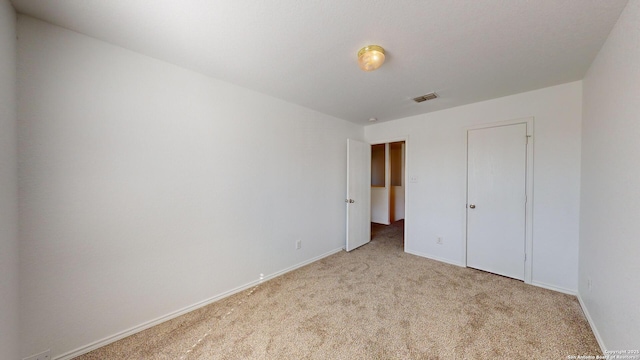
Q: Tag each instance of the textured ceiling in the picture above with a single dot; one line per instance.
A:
(305, 51)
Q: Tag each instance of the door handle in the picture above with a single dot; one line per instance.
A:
(471, 206)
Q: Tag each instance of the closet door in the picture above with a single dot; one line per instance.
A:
(496, 199)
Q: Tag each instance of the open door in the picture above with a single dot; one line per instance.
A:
(358, 194)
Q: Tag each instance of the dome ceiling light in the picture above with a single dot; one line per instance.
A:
(370, 57)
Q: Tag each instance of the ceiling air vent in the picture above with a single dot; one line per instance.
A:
(429, 96)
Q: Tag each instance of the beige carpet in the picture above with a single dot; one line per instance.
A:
(376, 302)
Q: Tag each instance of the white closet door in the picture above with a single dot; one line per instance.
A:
(496, 199)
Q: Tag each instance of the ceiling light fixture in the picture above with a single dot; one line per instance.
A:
(370, 57)
(373, 119)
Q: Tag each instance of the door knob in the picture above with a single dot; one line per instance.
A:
(350, 201)
(471, 206)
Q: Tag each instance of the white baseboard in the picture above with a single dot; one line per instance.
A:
(121, 335)
(592, 324)
(304, 263)
(538, 284)
(428, 256)
(554, 288)
(535, 283)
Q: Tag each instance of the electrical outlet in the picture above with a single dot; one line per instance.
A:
(439, 240)
(45, 355)
(298, 244)
(589, 283)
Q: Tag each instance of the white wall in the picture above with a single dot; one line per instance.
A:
(380, 205)
(146, 188)
(397, 203)
(609, 222)
(8, 186)
(436, 158)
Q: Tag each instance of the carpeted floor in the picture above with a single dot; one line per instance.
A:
(375, 302)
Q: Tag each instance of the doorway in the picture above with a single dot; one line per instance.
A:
(359, 190)
(388, 187)
(499, 167)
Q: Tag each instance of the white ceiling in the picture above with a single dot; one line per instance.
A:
(305, 51)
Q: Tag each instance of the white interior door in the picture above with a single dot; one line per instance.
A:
(358, 194)
(496, 199)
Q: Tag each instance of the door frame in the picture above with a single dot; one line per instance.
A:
(528, 242)
(406, 178)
